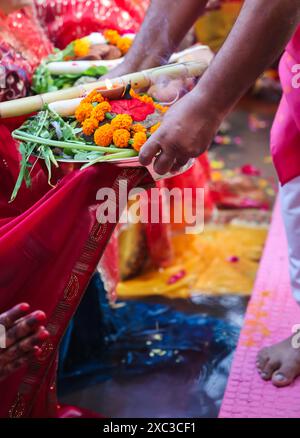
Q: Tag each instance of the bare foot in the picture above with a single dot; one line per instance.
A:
(279, 363)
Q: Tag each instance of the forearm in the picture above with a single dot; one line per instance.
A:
(165, 25)
(257, 39)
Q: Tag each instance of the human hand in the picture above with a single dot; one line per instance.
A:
(187, 131)
(24, 335)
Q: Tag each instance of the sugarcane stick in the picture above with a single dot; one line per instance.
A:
(77, 67)
(138, 80)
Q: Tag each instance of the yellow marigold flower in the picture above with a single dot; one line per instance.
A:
(89, 126)
(94, 96)
(139, 140)
(162, 109)
(137, 127)
(81, 47)
(104, 135)
(124, 44)
(154, 128)
(122, 121)
(83, 111)
(121, 138)
(112, 36)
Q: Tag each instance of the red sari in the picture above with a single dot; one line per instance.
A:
(50, 240)
(50, 245)
(66, 20)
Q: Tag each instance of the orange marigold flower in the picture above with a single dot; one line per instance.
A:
(139, 140)
(146, 99)
(83, 111)
(81, 47)
(134, 94)
(112, 36)
(137, 127)
(124, 44)
(89, 126)
(121, 138)
(122, 121)
(100, 110)
(104, 135)
(94, 96)
(161, 108)
(154, 128)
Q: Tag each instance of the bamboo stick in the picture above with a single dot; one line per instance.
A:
(138, 80)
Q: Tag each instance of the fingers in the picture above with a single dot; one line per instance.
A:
(150, 149)
(164, 162)
(158, 144)
(24, 327)
(8, 318)
(179, 163)
(27, 345)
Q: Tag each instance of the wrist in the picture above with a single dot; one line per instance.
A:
(207, 105)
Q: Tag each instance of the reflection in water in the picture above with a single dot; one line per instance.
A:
(166, 359)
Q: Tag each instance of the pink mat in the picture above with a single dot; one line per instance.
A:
(271, 314)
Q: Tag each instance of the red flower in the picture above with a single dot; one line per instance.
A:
(138, 110)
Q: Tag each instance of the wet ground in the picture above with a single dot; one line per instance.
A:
(195, 387)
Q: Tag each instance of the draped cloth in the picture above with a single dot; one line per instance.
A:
(67, 20)
(23, 44)
(50, 245)
(285, 135)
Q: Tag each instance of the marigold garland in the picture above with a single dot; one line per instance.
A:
(139, 139)
(89, 126)
(121, 127)
(122, 121)
(83, 111)
(81, 47)
(121, 138)
(104, 135)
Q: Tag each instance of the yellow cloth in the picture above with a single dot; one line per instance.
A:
(206, 260)
(213, 27)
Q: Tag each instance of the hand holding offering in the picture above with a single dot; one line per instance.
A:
(186, 132)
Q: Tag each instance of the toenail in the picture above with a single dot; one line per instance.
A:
(279, 377)
(264, 375)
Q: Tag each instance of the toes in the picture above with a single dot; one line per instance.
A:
(262, 359)
(270, 367)
(284, 376)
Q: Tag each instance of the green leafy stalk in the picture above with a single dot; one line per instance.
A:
(23, 136)
(128, 154)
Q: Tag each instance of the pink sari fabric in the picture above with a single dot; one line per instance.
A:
(285, 135)
(68, 20)
(50, 245)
